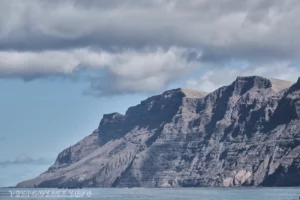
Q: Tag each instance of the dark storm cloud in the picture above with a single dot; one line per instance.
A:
(221, 29)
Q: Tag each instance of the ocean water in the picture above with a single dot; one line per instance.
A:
(155, 194)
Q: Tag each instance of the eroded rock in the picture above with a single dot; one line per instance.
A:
(244, 134)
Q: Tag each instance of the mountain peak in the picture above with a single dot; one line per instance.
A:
(111, 117)
(189, 93)
(298, 83)
(256, 81)
(244, 83)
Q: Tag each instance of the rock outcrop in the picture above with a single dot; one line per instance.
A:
(244, 134)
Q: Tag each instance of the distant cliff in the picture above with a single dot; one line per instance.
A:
(244, 134)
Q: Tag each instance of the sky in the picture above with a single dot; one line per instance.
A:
(63, 64)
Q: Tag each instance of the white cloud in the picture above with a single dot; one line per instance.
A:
(125, 71)
(220, 76)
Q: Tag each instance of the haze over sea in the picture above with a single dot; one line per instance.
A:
(174, 194)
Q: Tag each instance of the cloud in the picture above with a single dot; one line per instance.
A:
(141, 45)
(133, 72)
(124, 71)
(248, 29)
(214, 78)
(10, 176)
(22, 168)
(24, 160)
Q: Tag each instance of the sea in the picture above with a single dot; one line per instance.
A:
(152, 194)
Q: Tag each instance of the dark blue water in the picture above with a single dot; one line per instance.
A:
(163, 194)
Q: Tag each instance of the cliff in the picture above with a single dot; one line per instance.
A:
(244, 134)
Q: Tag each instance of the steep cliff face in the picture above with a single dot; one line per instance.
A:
(247, 133)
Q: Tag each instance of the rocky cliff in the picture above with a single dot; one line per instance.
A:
(244, 134)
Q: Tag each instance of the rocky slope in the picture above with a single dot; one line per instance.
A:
(244, 134)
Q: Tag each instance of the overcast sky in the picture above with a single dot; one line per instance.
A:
(65, 63)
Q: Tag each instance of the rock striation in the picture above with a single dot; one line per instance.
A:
(243, 134)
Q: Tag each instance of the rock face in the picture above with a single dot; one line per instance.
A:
(244, 134)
